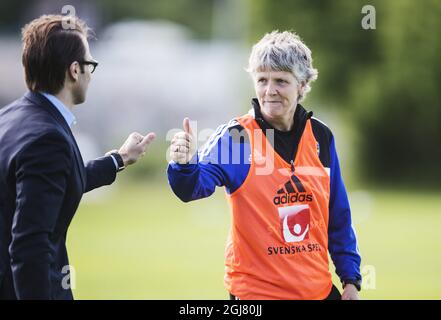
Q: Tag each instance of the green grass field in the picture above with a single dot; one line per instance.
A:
(140, 242)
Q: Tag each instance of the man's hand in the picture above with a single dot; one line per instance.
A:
(350, 292)
(182, 147)
(134, 147)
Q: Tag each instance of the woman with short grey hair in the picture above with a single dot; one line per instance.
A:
(284, 52)
(280, 170)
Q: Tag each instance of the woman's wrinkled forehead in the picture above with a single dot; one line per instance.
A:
(273, 74)
(271, 68)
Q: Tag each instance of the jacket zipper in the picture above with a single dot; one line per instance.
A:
(308, 116)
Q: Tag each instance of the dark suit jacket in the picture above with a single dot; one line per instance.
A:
(42, 180)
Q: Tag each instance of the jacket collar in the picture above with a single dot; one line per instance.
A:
(65, 111)
(40, 100)
(43, 103)
(300, 117)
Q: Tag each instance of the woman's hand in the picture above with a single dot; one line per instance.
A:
(350, 292)
(182, 146)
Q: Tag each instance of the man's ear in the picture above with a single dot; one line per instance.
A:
(73, 71)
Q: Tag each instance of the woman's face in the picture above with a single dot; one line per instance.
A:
(277, 92)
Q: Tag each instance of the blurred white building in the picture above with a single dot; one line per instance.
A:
(151, 75)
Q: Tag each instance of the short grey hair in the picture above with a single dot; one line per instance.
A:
(284, 51)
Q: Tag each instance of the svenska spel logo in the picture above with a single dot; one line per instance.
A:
(295, 221)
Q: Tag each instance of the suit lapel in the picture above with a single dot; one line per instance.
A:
(41, 101)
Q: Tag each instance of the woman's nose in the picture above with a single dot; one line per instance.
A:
(271, 90)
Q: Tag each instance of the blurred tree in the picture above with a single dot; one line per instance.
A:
(194, 14)
(332, 30)
(398, 102)
(387, 78)
(197, 15)
(9, 13)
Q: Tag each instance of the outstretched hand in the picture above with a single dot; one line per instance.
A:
(134, 147)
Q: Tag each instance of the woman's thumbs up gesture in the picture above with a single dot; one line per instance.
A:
(182, 146)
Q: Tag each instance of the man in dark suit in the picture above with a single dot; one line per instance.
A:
(42, 174)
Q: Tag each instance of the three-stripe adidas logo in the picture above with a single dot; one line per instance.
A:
(292, 191)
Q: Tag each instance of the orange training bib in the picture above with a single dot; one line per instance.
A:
(278, 243)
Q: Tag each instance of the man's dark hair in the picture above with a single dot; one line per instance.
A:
(49, 50)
